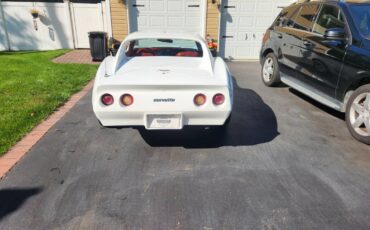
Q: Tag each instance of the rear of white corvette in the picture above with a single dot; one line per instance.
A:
(163, 92)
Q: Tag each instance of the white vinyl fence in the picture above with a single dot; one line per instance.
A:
(59, 25)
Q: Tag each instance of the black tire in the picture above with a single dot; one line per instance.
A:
(273, 79)
(361, 133)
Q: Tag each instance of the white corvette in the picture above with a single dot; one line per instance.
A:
(163, 81)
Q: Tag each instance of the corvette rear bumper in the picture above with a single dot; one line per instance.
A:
(132, 118)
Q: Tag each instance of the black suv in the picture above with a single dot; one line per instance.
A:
(322, 49)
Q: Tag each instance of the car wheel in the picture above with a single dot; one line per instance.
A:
(270, 71)
(358, 114)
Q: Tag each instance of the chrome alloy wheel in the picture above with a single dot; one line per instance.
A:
(268, 69)
(359, 114)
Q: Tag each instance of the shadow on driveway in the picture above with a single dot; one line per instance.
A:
(252, 122)
(12, 199)
(317, 104)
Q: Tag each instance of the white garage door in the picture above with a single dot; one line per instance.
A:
(169, 15)
(243, 24)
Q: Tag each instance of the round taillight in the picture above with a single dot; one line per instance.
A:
(107, 99)
(218, 99)
(200, 99)
(127, 99)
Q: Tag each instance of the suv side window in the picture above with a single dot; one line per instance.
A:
(329, 17)
(286, 15)
(305, 18)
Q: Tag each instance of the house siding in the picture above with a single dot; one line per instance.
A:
(212, 19)
(120, 19)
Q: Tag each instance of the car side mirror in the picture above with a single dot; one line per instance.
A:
(335, 34)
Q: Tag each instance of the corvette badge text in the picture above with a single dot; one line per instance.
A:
(164, 100)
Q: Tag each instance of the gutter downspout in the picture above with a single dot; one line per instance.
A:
(108, 18)
(72, 24)
(5, 28)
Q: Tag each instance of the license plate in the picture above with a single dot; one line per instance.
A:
(159, 121)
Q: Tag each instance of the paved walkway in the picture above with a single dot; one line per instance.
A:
(80, 56)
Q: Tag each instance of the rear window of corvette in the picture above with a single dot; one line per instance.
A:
(164, 47)
(176, 43)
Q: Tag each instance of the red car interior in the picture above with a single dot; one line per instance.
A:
(144, 52)
(162, 52)
(187, 54)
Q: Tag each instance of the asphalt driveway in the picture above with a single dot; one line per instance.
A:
(285, 163)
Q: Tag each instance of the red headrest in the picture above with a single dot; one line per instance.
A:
(187, 54)
(146, 54)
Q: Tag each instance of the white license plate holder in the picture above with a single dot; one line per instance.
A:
(164, 121)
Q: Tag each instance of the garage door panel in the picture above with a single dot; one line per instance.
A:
(170, 15)
(157, 5)
(242, 36)
(230, 52)
(157, 20)
(191, 21)
(175, 21)
(243, 51)
(264, 21)
(247, 7)
(243, 27)
(246, 21)
(143, 21)
(264, 7)
(175, 6)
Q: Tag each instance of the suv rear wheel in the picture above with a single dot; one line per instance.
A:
(358, 114)
(270, 71)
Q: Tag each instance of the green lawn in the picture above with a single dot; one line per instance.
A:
(32, 87)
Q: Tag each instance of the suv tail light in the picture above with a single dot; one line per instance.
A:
(107, 99)
(218, 99)
(200, 99)
(127, 99)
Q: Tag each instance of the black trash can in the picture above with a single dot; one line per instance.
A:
(98, 45)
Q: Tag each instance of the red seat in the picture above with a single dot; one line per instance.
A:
(187, 54)
(144, 52)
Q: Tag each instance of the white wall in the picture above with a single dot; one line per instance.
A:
(54, 27)
(3, 39)
(86, 18)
